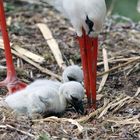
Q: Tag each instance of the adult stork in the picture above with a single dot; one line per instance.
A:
(87, 18)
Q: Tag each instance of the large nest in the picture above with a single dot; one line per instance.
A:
(118, 103)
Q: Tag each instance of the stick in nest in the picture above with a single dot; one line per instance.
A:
(52, 44)
(119, 66)
(54, 119)
(42, 69)
(16, 129)
(106, 67)
(93, 114)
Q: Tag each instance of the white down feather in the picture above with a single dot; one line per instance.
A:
(46, 96)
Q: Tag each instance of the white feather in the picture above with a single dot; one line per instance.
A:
(18, 101)
(45, 96)
(77, 10)
(74, 72)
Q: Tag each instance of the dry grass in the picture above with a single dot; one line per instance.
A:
(118, 113)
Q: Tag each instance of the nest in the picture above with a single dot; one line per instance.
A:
(118, 83)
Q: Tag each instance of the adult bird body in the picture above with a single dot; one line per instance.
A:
(79, 12)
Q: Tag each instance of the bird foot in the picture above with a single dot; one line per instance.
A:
(13, 85)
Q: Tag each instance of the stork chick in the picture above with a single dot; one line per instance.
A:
(48, 97)
(39, 89)
(73, 73)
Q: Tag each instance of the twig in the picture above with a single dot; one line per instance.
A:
(106, 67)
(37, 58)
(113, 60)
(9, 21)
(131, 69)
(34, 57)
(42, 69)
(93, 114)
(115, 105)
(120, 121)
(118, 102)
(52, 44)
(138, 92)
(90, 116)
(117, 67)
(16, 129)
(54, 119)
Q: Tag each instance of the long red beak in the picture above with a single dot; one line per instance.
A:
(88, 50)
(12, 82)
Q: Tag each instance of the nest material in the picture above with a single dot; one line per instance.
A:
(118, 106)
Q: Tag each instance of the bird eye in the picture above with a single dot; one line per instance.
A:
(74, 98)
(71, 78)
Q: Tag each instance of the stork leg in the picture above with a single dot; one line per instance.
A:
(92, 49)
(11, 82)
(83, 52)
(88, 50)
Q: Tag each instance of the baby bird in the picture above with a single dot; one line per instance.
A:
(46, 96)
(73, 73)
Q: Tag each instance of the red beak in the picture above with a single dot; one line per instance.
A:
(12, 82)
(88, 50)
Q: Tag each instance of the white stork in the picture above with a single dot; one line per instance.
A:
(87, 18)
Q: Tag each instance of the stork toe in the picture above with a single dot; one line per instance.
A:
(13, 85)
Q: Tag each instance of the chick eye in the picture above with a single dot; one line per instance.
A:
(71, 78)
(74, 98)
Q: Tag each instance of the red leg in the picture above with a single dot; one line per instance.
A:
(88, 50)
(94, 70)
(83, 51)
(92, 47)
(12, 83)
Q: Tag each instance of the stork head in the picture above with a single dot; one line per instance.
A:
(92, 26)
(95, 16)
(74, 94)
(89, 24)
(73, 73)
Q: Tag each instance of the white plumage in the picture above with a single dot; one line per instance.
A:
(49, 97)
(46, 96)
(78, 11)
(73, 73)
